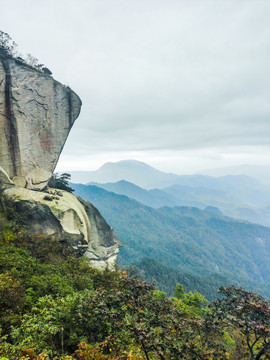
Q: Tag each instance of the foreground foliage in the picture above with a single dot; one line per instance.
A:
(55, 306)
(249, 313)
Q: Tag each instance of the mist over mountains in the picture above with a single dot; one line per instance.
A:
(238, 196)
(238, 202)
(202, 244)
(133, 171)
(258, 172)
(199, 230)
(147, 177)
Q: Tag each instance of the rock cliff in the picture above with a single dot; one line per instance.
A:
(36, 115)
(64, 217)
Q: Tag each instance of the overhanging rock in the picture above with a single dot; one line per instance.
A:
(36, 115)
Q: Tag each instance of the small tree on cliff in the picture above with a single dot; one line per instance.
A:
(7, 49)
(7, 45)
(60, 182)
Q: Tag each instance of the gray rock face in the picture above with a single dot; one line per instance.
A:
(36, 115)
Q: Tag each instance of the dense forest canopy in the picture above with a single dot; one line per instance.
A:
(56, 306)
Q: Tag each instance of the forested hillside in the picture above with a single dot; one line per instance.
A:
(54, 305)
(236, 196)
(188, 239)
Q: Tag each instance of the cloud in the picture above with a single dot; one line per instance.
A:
(154, 75)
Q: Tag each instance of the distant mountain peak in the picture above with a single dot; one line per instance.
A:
(125, 163)
(148, 177)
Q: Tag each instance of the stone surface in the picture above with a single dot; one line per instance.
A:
(65, 217)
(104, 243)
(36, 115)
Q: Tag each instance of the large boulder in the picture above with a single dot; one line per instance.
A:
(36, 115)
(65, 217)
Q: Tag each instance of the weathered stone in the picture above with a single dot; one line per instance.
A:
(36, 115)
(104, 243)
(72, 221)
(4, 178)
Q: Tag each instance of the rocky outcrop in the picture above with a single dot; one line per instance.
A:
(65, 217)
(36, 115)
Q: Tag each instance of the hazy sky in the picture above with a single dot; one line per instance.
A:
(183, 85)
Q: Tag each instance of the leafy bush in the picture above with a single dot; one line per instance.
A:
(249, 314)
(54, 305)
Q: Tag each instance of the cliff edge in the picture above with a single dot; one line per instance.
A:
(36, 115)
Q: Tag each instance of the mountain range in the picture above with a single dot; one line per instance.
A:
(258, 172)
(133, 171)
(147, 177)
(238, 196)
(203, 243)
(198, 230)
(249, 202)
